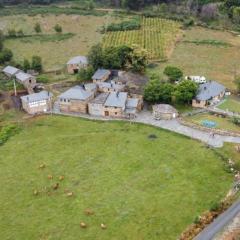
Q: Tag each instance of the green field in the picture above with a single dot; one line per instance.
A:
(79, 34)
(157, 36)
(140, 187)
(231, 104)
(205, 52)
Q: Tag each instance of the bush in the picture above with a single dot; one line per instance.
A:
(236, 121)
(124, 26)
(12, 33)
(7, 132)
(37, 28)
(6, 55)
(215, 206)
(58, 28)
(85, 74)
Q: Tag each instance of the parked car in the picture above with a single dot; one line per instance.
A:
(196, 79)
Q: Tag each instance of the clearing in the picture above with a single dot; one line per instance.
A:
(157, 36)
(213, 54)
(79, 34)
(136, 184)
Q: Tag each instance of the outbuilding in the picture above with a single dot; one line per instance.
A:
(164, 112)
(37, 102)
(76, 63)
(101, 75)
(96, 106)
(26, 79)
(10, 71)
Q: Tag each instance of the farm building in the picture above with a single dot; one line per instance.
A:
(164, 112)
(26, 79)
(10, 71)
(115, 104)
(96, 106)
(110, 87)
(208, 94)
(76, 63)
(75, 100)
(101, 75)
(132, 107)
(37, 102)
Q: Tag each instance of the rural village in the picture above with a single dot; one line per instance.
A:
(120, 120)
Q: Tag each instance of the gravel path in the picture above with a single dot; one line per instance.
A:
(175, 126)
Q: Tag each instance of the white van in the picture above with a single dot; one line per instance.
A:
(196, 79)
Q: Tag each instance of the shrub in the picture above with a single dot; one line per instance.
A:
(215, 206)
(124, 26)
(37, 28)
(85, 74)
(12, 33)
(37, 63)
(26, 65)
(236, 121)
(58, 28)
(6, 55)
(7, 132)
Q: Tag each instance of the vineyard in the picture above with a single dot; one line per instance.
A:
(157, 36)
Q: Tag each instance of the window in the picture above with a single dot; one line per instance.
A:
(116, 113)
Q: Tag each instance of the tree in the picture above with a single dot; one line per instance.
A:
(58, 28)
(1, 40)
(138, 59)
(156, 91)
(20, 33)
(185, 91)
(90, 5)
(237, 82)
(37, 63)
(37, 28)
(26, 65)
(12, 33)
(95, 56)
(85, 74)
(173, 73)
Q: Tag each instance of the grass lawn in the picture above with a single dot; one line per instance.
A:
(211, 53)
(231, 104)
(222, 123)
(54, 52)
(141, 188)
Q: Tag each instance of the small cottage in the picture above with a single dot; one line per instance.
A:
(37, 102)
(76, 63)
(96, 106)
(115, 104)
(101, 75)
(132, 107)
(26, 79)
(10, 71)
(75, 100)
(209, 93)
(164, 112)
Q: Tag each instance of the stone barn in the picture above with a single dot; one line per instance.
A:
(75, 100)
(10, 71)
(101, 75)
(164, 112)
(37, 102)
(96, 106)
(26, 79)
(76, 63)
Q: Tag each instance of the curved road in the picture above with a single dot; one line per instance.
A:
(215, 227)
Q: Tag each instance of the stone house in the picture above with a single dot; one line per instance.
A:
(209, 93)
(91, 87)
(37, 102)
(164, 112)
(76, 63)
(10, 71)
(115, 105)
(101, 75)
(96, 106)
(75, 100)
(26, 79)
(132, 107)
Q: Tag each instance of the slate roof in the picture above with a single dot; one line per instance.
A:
(164, 108)
(78, 60)
(90, 86)
(116, 99)
(100, 73)
(43, 95)
(76, 93)
(111, 85)
(100, 99)
(21, 76)
(209, 90)
(132, 103)
(10, 70)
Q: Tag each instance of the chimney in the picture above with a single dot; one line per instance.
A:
(84, 86)
(117, 94)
